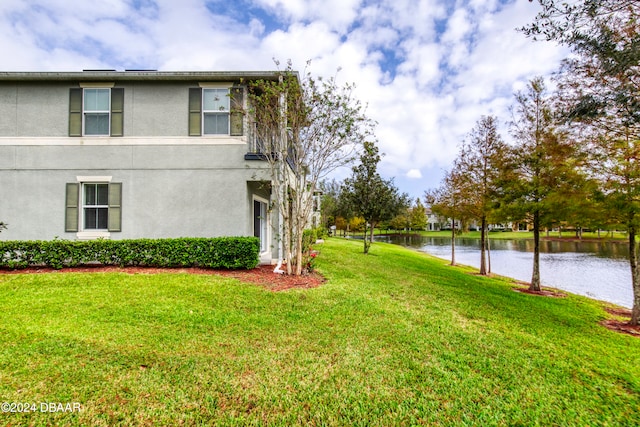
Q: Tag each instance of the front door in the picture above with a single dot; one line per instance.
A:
(260, 224)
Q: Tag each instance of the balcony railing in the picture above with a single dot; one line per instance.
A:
(261, 148)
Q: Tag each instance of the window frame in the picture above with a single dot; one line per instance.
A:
(76, 204)
(226, 112)
(84, 206)
(236, 109)
(78, 112)
(86, 112)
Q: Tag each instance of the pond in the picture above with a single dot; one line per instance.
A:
(599, 270)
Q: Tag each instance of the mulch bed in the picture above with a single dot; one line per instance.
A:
(523, 287)
(542, 292)
(262, 275)
(619, 323)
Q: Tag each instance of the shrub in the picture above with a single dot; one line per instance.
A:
(218, 252)
(309, 238)
(321, 232)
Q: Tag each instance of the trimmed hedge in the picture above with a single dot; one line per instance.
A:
(218, 252)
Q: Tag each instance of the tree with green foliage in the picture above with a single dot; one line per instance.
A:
(331, 206)
(401, 221)
(542, 180)
(418, 215)
(307, 127)
(479, 163)
(449, 201)
(600, 87)
(369, 195)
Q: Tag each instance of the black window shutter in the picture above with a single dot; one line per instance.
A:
(75, 112)
(195, 111)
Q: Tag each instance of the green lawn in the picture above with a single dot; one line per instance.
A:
(393, 338)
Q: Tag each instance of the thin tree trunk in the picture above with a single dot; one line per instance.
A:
(488, 256)
(366, 239)
(288, 252)
(635, 277)
(453, 243)
(299, 251)
(483, 258)
(286, 237)
(535, 277)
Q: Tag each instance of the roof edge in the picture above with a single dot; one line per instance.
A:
(102, 75)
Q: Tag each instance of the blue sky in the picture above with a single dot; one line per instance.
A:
(427, 69)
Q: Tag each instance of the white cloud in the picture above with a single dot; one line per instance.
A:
(414, 174)
(337, 14)
(458, 27)
(428, 69)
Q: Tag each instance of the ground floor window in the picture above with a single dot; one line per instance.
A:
(95, 206)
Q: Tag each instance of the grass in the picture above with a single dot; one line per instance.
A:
(393, 338)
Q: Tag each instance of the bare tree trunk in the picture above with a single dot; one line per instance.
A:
(488, 256)
(535, 277)
(453, 242)
(635, 277)
(367, 243)
(299, 250)
(483, 257)
(288, 253)
(287, 248)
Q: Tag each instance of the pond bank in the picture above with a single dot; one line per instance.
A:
(599, 269)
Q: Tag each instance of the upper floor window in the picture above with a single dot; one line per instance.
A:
(96, 111)
(216, 111)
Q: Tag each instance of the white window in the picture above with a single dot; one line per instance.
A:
(95, 206)
(97, 111)
(215, 111)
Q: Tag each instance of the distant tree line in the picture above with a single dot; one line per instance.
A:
(575, 157)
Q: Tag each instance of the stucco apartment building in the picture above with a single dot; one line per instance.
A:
(132, 154)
